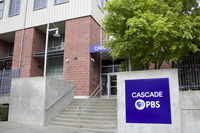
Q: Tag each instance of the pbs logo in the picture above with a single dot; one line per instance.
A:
(140, 104)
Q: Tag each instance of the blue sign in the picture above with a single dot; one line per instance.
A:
(148, 101)
(98, 48)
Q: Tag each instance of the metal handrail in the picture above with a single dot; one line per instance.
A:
(59, 98)
(79, 112)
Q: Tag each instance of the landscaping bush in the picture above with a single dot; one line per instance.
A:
(4, 112)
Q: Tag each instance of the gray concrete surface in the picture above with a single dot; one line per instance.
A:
(124, 127)
(190, 111)
(54, 89)
(11, 127)
(4, 98)
(30, 96)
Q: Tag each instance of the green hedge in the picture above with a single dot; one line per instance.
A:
(4, 112)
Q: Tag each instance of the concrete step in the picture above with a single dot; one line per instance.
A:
(94, 107)
(83, 121)
(90, 114)
(85, 117)
(81, 102)
(97, 99)
(85, 130)
(94, 126)
(93, 110)
(102, 119)
(94, 104)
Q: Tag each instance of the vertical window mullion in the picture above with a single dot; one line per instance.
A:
(56, 71)
(15, 7)
(53, 42)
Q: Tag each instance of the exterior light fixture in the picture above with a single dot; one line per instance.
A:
(56, 34)
(46, 47)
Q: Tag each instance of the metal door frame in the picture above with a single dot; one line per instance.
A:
(109, 85)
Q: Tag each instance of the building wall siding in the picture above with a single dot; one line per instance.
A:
(56, 13)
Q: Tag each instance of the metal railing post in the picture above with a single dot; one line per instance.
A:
(179, 74)
(79, 119)
(90, 98)
(90, 104)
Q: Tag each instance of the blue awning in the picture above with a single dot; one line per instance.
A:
(98, 48)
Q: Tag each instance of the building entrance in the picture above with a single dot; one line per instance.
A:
(112, 85)
(109, 69)
(109, 85)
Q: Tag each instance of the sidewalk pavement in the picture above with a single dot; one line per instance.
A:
(12, 127)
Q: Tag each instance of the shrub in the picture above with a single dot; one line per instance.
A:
(4, 112)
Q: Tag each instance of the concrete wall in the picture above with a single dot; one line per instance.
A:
(190, 111)
(30, 96)
(55, 89)
(124, 127)
(4, 98)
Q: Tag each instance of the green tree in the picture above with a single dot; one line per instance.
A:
(152, 31)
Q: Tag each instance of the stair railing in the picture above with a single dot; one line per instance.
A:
(79, 112)
(59, 98)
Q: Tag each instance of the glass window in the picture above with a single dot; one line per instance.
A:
(60, 1)
(40, 4)
(14, 7)
(100, 3)
(104, 85)
(56, 43)
(1, 9)
(51, 73)
(107, 62)
(55, 71)
(107, 69)
(60, 66)
(118, 62)
(11, 47)
(51, 67)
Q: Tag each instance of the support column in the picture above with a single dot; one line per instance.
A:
(4, 47)
(77, 65)
(34, 41)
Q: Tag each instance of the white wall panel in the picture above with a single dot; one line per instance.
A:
(12, 23)
(56, 13)
(96, 11)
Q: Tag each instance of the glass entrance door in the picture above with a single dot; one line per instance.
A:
(112, 85)
(109, 85)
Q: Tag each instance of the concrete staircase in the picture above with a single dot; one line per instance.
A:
(103, 118)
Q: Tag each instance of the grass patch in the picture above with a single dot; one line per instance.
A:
(4, 112)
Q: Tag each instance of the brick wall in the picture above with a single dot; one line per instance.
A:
(38, 46)
(94, 66)
(164, 66)
(79, 35)
(4, 46)
(94, 72)
(34, 41)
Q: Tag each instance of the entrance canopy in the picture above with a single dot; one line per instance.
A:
(98, 48)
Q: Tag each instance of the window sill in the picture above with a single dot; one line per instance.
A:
(39, 8)
(13, 15)
(61, 3)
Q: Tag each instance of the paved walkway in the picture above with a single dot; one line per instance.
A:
(11, 127)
